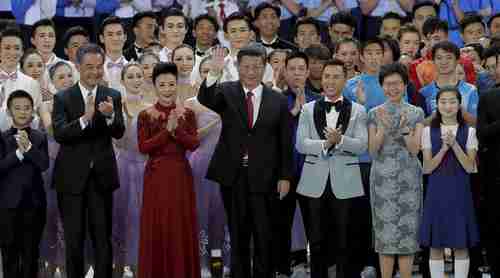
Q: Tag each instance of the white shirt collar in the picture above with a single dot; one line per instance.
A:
(85, 91)
(341, 98)
(257, 92)
(271, 42)
(121, 59)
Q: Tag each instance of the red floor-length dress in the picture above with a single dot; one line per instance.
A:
(168, 244)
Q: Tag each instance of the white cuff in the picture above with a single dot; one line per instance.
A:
(19, 155)
(109, 120)
(83, 123)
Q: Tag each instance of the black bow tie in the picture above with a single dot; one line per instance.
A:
(200, 53)
(270, 45)
(139, 49)
(13, 130)
(327, 105)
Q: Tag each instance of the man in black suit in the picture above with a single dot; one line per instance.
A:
(85, 118)
(252, 160)
(144, 25)
(23, 158)
(488, 132)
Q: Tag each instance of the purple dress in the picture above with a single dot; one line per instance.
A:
(52, 244)
(211, 216)
(127, 200)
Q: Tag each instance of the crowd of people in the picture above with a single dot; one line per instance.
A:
(143, 138)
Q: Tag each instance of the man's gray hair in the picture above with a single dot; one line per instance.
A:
(89, 48)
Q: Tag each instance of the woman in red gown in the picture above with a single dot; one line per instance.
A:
(169, 231)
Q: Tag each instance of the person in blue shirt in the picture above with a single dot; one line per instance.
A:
(453, 12)
(297, 68)
(445, 57)
(366, 90)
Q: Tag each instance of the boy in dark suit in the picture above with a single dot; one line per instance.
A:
(23, 158)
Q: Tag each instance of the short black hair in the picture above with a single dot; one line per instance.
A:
(446, 46)
(493, 17)
(345, 18)
(166, 13)
(419, 5)
(42, 23)
(297, 55)
(393, 68)
(393, 45)
(208, 18)
(89, 48)
(318, 51)
(335, 62)
(164, 68)
(477, 47)
(277, 51)
(108, 21)
(307, 21)
(74, 31)
(253, 50)
(233, 17)
(434, 24)
(378, 41)
(470, 19)
(140, 15)
(19, 94)
(393, 15)
(12, 32)
(408, 28)
(346, 41)
(265, 5)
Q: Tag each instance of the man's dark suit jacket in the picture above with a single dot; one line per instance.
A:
(20, 179)
(82, 148)
(268, 142)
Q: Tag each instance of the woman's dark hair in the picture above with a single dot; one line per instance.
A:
(437, 120)
(26, 54)
(394, 68)
(182, 46)
(164, 68)
(52, 70)
(393, 45)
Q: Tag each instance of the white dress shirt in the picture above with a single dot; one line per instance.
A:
(113, 75)
(5, 6)
(22, 82)
(86, 94)
(332, 118)
(165, 55)
(256, 100)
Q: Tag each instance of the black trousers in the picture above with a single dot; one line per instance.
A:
(95, 207)
(249, 216)
(331, 218)
(284, 214)
(22, 230)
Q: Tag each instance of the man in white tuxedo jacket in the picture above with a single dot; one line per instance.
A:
(332, 132)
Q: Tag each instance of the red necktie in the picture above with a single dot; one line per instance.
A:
(222, 13)
(250, 109)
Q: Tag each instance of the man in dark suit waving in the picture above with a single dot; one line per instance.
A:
(252, 160)
(85, 119)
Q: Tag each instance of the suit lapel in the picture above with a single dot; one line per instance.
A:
(77, 99)
(264, 105)
(345, 115)
(319, 116)
(241, 104)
